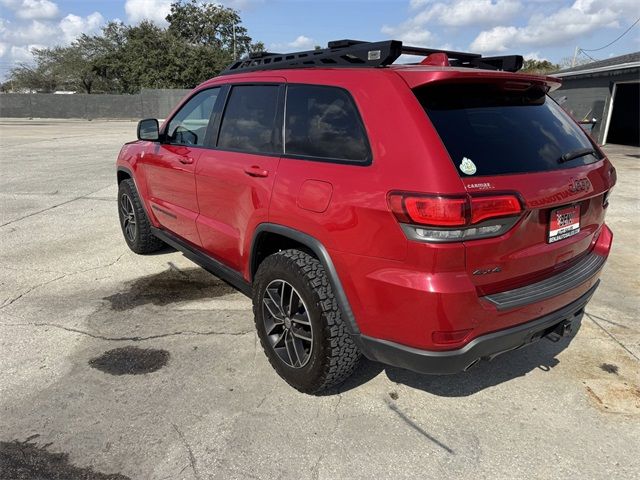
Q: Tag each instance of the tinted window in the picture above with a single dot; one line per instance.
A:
(323, 122)
(189, 125)
(249, 119)
(503, 131)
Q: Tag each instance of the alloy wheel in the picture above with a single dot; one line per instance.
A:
(128, 217)
(287, 323)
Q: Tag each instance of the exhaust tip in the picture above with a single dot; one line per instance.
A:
(472, 364)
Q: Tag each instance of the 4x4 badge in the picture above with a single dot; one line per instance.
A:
(485, 271)
(467, 166)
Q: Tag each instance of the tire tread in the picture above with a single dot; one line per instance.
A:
(146, 242)
(342, 354)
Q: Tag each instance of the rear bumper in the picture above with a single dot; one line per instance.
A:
(483, 347)
(431, 291)
(549, 288)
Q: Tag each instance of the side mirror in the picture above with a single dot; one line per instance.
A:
(149, 129)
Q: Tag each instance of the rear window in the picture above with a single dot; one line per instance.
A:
(490, 131)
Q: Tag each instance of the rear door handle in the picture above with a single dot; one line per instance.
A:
(185, 160)
(256, 171)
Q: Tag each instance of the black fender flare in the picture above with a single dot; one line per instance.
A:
(125, 170)
(135, 182)
(322, 254)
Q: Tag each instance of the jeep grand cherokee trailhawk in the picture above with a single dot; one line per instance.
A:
(427, 216)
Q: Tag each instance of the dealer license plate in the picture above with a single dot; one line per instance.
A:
(564, 222)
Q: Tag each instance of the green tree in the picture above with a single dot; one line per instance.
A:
(540, 67)
(73, 67)
(61, 68)
(199, 41)
(145, 60)
(213, 25)
(39, 77)
(105, 58)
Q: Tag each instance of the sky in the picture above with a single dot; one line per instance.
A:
(538, 29)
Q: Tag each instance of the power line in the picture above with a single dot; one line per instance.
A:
(609, 44)
(586, 54)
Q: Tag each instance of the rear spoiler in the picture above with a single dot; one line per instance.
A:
(416, 77)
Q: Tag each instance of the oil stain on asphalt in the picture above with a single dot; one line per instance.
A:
(130, 361)
(609, 368)
(167, 287)
(26, 460)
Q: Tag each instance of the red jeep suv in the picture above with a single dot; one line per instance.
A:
(426, 216)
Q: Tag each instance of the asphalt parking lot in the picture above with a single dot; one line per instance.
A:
(76, 305)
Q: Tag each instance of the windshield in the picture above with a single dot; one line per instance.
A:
(490, 131)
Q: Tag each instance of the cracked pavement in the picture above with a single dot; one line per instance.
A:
(70, 290)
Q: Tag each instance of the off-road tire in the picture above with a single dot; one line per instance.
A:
(334, 355)
(143, 241)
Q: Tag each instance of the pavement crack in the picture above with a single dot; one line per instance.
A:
(86, 195)
(99, 267)
(315, 469)
(264, 398)
(192, 458)
(335, 408)
(591, 317)
(8, 302)
(125, 339)
(28, 269)
(255, 348)
(619, 325)
(336, 414)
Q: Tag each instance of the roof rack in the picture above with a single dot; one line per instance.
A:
(356, 53)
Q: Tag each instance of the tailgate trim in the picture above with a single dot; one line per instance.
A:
(550, 287)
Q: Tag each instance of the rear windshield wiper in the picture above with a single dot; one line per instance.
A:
(572, 155)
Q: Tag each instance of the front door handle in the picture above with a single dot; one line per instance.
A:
(185, 160)
(256, 171)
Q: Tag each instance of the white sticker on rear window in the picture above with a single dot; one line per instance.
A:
(467, 166)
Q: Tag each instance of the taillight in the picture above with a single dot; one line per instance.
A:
(437, 211)
(483, 208)
(443, 218)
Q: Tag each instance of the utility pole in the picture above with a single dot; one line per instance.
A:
(235, 57)
(575, 54)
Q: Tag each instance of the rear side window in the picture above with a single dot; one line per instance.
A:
(323, 122)
(189, 125)
(490, 131)
(248, 123)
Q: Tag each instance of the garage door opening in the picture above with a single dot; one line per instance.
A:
(624, 126)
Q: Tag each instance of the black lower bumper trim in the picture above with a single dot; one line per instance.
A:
(556, 285)
(485, 346)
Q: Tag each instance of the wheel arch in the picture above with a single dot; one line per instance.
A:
(123, 173)
(296, 239)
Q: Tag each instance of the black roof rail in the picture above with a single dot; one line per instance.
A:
(356, 53)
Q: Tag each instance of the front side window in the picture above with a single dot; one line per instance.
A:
(189, 125)
(322, 122)
(249, 119)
